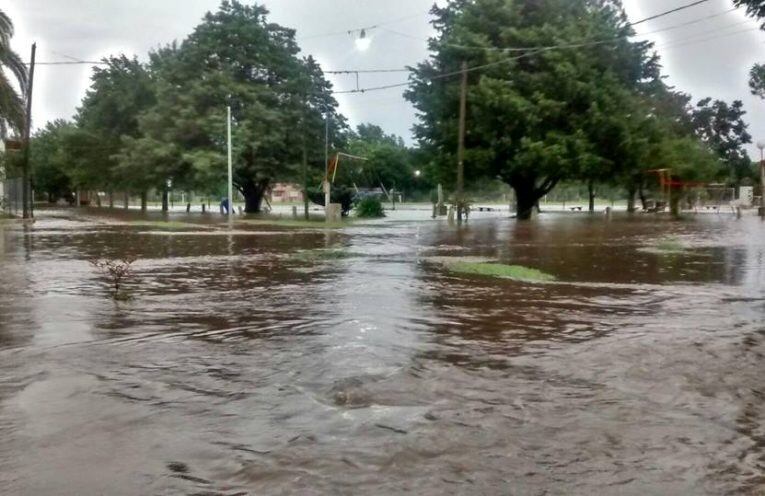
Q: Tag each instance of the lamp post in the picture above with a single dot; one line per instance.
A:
(761, 146)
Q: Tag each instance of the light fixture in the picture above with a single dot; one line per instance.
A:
(363, 42)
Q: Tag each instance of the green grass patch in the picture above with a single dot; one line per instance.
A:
(322, 254)
(669, 244)
(295, 223)
(516, 272)
(171, 225)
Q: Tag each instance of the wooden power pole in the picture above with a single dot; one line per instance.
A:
(461, 144)
(26, 187)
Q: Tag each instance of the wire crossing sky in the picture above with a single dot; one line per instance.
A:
(707, 47)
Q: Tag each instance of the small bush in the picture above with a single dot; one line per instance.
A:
(117, 271)
(370, 207)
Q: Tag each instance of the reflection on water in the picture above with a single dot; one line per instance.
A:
(239, 368)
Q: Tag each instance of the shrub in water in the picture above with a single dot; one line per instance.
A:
(370, 207)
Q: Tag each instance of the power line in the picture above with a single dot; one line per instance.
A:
(668, 12)
(363, 28)
(689, 23)
(694, 41)
(689, 41)
(79, 62)
(522, 49)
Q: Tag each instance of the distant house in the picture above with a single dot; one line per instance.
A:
(286, 193)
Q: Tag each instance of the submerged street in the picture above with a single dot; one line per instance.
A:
(249, 362)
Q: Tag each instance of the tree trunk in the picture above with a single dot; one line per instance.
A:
(98, 199)
(165, 206)
(111, 199)
(643, 200)
(127, 200)
(527, 194)
(253, 195)
(631, 190)
(675, 196)
(144, 197)
(525, 200)
(591, 195)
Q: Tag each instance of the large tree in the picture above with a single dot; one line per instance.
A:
(121, 90)
(721, 126)
(49, 161)
(278, 100)
(12, 112)
(388, 160)
(536, 116)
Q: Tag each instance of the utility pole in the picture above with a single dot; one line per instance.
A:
(26, 194)
(230, 170)
(305, 179)
(761, 146)
(327, 184)
(461, 144)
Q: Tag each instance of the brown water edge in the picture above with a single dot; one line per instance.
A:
(239, 369)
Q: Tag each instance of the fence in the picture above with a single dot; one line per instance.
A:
(11, 192)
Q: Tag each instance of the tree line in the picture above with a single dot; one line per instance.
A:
(558, 91)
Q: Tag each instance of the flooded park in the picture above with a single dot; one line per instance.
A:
(285, 359)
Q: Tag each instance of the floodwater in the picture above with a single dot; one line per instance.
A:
(239, 368)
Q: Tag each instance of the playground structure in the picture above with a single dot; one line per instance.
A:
(699, 196)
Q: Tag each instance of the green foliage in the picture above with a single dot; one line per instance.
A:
(370, 207)
(49, 161)
(755, 8)
(722, 128)
(593, 114)
(235, 58)
(757, 80)
(12, 111)
(388, 161)
(533, 120)
(516, 272)
(109, 115)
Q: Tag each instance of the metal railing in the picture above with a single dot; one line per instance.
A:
(11, 196)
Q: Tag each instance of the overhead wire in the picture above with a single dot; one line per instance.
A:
(535, 50)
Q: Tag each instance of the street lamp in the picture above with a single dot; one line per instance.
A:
(363, 42)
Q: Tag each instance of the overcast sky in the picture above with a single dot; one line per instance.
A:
(711, 57)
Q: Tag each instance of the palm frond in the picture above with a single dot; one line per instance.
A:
(11, 61)
(11, 105)
(6, 28)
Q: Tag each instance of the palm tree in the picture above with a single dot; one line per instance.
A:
(12, 113)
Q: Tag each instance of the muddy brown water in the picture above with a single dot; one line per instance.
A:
(238, 368)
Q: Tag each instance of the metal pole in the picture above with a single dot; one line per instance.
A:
(762, 183)
(461, 143)
(327, 186)
(230, 170)
(26, 186)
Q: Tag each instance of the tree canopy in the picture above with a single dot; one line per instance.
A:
(588, 109)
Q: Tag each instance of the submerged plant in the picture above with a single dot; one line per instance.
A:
(117, 270)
